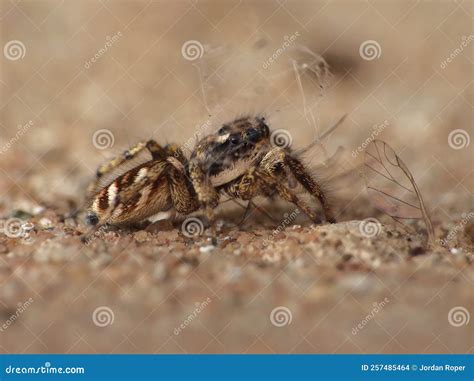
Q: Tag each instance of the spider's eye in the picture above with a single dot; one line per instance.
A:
(223, 130)
(234, 139)
(253, 135)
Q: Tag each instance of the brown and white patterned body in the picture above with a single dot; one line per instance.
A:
(238, 160)
(157, 185)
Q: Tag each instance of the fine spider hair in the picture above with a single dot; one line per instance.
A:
(241, 161)
(238, 160)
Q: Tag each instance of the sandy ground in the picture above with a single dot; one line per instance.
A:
(304, 288)
(160, 292)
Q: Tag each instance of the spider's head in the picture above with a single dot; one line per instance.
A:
(233, 149)
(242, 134)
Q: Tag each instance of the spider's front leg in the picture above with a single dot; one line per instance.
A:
(278, 159)
(304, 178)
(262, 181)
(274, 164)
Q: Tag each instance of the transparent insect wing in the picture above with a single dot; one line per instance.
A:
(391, 186)
(390, 189)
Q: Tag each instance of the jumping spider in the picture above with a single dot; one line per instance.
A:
(238, 160)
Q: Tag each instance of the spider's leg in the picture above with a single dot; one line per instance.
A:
(153, 147)
(251, 204)
(247, 211)
(183, 198)
(207, 195)
(310, 184)
(288, 195)
(277, 159)
(264, 181)
(101, 178)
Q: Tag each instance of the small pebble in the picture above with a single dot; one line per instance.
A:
(141, 236)
(37, 210)
(45, 223)
(206, 249)
(27, 226)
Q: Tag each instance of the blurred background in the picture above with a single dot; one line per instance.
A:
(388, 59)
(80, 81)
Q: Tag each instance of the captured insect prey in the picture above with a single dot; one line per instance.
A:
(238, 160)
